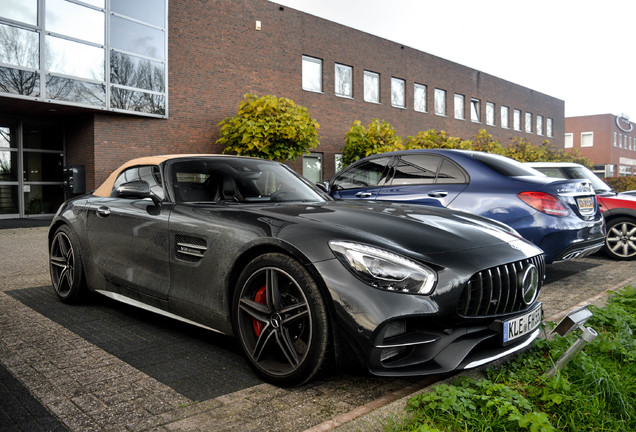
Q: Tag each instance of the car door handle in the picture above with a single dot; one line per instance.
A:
(438, 194)
(363, 194)
(103, 211)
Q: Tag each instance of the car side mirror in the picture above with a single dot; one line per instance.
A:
(139, 189)
(323, 186)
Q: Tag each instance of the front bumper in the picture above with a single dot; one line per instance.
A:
(394, 334)
(419, 352)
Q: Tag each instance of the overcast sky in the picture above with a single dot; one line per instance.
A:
(580, 51)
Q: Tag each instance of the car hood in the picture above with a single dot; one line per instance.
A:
(422, 230)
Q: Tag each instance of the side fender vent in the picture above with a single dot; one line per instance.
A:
(190, 249)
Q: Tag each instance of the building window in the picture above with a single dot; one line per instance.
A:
(371, 87)
(490, 113)
(587, 139)
(398, 89)
(539, 125)
(615, 139)
(344, 80)
(440, 102)
(312, 167)
(25, 11)
(516, 120)
(74, 56)
(528, 122)
(624, 170)
(338, 161)
(459, 106)
(312, 74)
(419, 97)
(569, 140)
(475, 110)
(548, 127)
(620, 141)
(504, 117)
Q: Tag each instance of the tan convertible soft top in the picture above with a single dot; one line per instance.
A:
(107, 187)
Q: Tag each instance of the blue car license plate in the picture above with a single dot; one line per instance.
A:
(521, 325)
(585, 204)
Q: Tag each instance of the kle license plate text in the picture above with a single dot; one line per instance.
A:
(521, 325)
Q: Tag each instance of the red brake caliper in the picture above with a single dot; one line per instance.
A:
(259, 297)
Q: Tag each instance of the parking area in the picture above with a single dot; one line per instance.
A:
(106, 366)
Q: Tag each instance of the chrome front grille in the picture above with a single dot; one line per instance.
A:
(497, 290)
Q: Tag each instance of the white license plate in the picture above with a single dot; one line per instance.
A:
(522, 325)
(585, 203)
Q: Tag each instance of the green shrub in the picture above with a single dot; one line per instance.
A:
(377, 137)
(269, 128)
(621, 184)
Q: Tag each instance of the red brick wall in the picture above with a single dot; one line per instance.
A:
(216, 56)
(603, 151)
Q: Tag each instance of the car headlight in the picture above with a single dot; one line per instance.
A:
(383, 269)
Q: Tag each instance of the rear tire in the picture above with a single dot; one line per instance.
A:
(65, 265)
(620, 240)
(280, 320)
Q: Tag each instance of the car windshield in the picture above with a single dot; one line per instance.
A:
(505, 166)
(225, 179)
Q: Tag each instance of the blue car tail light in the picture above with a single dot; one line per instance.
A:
(544, 202)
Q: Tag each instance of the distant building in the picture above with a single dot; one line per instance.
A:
(156, 76)
(607, 140)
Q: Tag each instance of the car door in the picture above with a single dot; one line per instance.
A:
(424, 178)
(363, 180)
(128, 237)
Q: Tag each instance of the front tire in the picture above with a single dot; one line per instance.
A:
(65, 264)
(280, 320)
(620, 240)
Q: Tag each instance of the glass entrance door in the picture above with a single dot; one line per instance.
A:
(31, 168)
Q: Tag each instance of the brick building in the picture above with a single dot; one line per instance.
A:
(607, 140)
(157, 76)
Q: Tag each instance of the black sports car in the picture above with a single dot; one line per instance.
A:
(248, 248)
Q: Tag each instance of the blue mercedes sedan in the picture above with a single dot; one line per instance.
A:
(560, 216)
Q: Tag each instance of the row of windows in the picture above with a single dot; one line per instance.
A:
(343, 87)
(587, 140)
(624, 141)
(75, 62)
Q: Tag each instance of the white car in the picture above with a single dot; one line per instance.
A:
(618, 209)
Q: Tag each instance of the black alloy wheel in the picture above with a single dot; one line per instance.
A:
(65, 264)
(620, 240)
(280, 319)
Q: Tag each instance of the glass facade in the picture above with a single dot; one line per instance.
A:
(31, 168)
(58, 51)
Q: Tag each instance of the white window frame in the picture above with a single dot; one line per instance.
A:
(440, 102)
(398, 92)
(419, 97)
(516, 120)
(475, 110)
(569, 140)
(343, 81)
(505, 117)
(313, 158)
(311, 67)
(490, 113)
(371, 84)
(584, 142)
(458, 107)
(548, 127)
(528, 122)
(540, 125)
